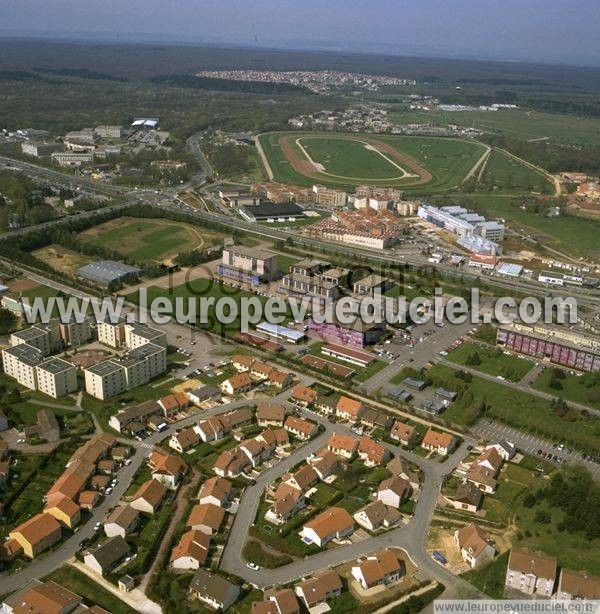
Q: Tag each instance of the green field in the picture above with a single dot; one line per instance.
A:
(581, 388)
(525, 125)
(505, 174)
(492, 361)
(148, 239)
(448, 160)
(347, 159)
(518, 409)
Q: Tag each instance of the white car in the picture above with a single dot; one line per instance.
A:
(108, 491)
(253, 566)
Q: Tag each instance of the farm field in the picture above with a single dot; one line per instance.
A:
(344, 160)
(526, 125)
(148, 239)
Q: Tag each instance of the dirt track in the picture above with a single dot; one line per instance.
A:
(306, 168)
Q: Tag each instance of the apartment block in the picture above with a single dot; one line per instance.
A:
(56, 377)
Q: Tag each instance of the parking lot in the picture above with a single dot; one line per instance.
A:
(535, 446)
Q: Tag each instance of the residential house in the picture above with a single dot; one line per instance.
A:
(88, 499)
(277, 602)
(44, 598)
(506, 449)
(319, 589)
(191, 551)
(214, 590)
(325, 464)
(375, 419)
(302, 479)
(467, 497)
(302, 395)
(237, 384)
(333, 523)
(302, 429)
(326, 404)
(577, 585)
(394, 491)
(236, 418)
(371, 452)
(375, 515)
(168, 469)
(529, 572)
(343, 445)
(402, 469)
(270, 414)
(231, 463)
(206, 517)
(186, 439)
(441, 443)
(216, 490)
(37, 534)
(204, 394)
(288, 502)
(122, 521)
(242, 363)
(108, 555)
(149, 497)
(404, 433)
(211, 429)
(379, 569)
(66, 511)
(349, 409)
(474, 544)
(279, 379)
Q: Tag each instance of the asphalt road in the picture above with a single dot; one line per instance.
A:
(411, 537)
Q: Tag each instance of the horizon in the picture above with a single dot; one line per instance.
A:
(510, 33)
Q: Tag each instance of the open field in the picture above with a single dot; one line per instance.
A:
(581, 388)
(505, 174)
(347, 160)
(517, 409)
(148, 239)
(491, 361)
(517, 123)
(61, 258)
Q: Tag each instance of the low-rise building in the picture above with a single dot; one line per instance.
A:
(375, 515)
(302, 429)
(441, 443)
(474, 544)
(343, 445)
(394, 491)
(216, 490)
(149, 497)
(529, 572)
(237, 384)
(214, 590)
(404, 433)
(379, 569)
(108, 555)
(37, 534)
(270, 414)
(319, 589)
(191, 551)
(577, 585)
(333, 523)
(122, 521)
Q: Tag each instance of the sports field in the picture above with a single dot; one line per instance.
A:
(148, 239)
(348, 160)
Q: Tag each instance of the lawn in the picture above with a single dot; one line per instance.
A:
(517, 123)
(93, 593)
(148, 239)
(492, 361)
(505, 174)
(255, 553)
(518, 409)
(490, 579)
(581, 388)
(348, 158)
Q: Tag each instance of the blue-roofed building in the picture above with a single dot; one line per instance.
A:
(275, 331)
(109, 272)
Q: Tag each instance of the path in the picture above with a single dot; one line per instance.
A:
(180, 509)
(134, 598)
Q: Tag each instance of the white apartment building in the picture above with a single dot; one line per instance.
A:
(68, 158)
(42, 338)
(20, 362)
(112, 334)
(137, 335)
(56, 377)
(110, 132)
(138, 367)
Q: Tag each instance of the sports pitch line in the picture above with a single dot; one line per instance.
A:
(322, 169)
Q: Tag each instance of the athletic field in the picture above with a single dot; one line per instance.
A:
(348, 160)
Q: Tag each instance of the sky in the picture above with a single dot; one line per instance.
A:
(564, 31)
